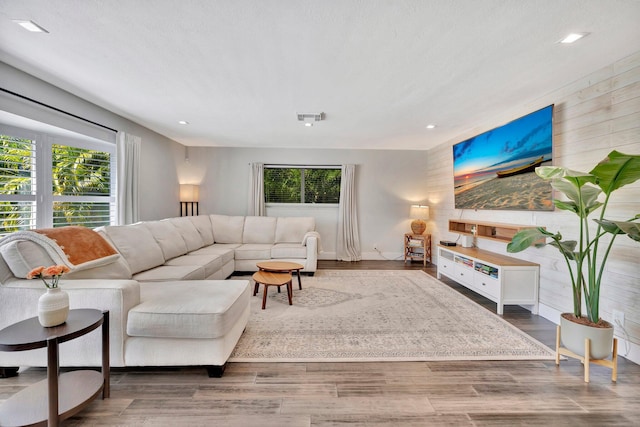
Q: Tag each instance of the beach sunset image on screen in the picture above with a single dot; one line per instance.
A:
(496, 169)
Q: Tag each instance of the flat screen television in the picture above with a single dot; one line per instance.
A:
(496, 169)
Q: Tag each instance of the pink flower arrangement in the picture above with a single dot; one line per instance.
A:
(54, 272)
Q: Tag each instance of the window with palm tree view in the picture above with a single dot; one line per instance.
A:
(47, 183)
(309, 185)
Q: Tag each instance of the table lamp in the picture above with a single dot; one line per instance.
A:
(419, 214)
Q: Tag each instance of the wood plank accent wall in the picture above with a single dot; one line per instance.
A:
(592, 116)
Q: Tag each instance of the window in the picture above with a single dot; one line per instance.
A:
(302, 184)
(18, 183)
(53, 181)
(81, 186)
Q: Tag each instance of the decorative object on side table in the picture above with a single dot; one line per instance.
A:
(419, 214)
(53, 306)
(586, 272)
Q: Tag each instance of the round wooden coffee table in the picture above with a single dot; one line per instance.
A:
(282, 267)
(267, 279)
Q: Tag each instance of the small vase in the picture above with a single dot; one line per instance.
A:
(53, 307)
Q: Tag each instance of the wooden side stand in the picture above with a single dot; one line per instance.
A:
(418, 253)
(612, 364)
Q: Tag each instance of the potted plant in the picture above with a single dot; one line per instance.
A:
(587, 256)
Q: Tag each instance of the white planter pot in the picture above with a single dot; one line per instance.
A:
(573, 335)
(53, 307)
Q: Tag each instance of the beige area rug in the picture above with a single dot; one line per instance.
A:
(371, 315)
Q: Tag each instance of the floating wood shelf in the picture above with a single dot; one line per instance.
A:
(486, 230)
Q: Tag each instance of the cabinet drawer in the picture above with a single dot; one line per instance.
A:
(463, 274)
(486, 284)
(445, 267)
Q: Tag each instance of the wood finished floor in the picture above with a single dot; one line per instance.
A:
(370, 394)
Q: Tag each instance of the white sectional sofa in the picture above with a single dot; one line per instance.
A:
(211, 246)
(168, 302)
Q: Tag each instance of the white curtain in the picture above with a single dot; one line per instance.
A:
(256, 191)
(128, 155)
(348, 245)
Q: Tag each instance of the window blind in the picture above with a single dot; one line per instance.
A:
(303, 184)
(18, 182)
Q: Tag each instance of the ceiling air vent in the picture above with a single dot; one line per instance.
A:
(309, 118)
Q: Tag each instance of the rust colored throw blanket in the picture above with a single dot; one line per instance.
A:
(80, 244)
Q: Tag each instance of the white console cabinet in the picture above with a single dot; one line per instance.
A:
(502, 279)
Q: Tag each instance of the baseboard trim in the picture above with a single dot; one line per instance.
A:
(382, 256)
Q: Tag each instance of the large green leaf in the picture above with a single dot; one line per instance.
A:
(567, 206)
(585, 197)
(631, 229)
(525, 238)
(556, 172)
(617, 170)
(609, 226)
(567, 248)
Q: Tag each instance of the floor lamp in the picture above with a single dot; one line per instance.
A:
(189, 196)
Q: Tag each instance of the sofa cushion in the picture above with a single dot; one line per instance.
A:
(227, 229)
(168, 237)
(211, 263)
(257, 251)
(171, 272)
(189, 233)
(203, 225)
(119, 269)
(22, 256)
(197, 309)
(288, 250)
(224, 250)
(293, 229)
(259, 229)
(137, 246)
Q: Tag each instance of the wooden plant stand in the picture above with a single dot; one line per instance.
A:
(612, 364)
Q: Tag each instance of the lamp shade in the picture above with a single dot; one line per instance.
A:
(418, 213)
(189, 193)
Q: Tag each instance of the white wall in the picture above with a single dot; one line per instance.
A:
(158, 175)
(593, 116)
(387, 183)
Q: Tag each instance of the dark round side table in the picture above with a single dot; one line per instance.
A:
(61, 395)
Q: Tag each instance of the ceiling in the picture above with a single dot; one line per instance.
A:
(239, 70)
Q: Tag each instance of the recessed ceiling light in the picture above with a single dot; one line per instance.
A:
(431, 126)
(183, 122)
(573, 37)
(30, 26)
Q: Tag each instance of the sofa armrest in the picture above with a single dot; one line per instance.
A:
(20, 301)
(312, 245)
